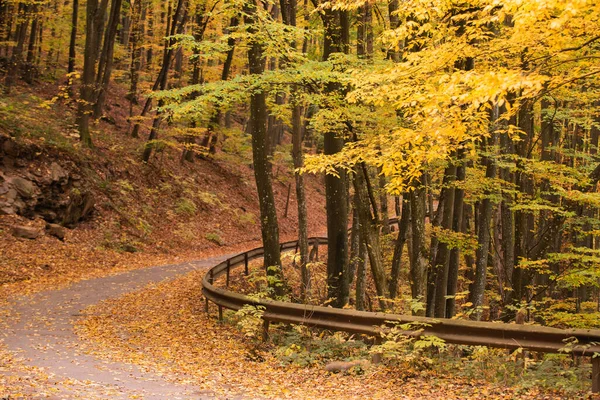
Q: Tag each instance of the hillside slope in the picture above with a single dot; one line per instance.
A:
(91, 212)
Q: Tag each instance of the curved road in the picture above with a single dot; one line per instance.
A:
(42, 333)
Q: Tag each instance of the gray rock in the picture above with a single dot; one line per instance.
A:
(80, 206)
(56, 230)
(58, 173)
(25, 188)
(10, 148)
(26, 232)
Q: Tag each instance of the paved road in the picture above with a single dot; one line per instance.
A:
(44, 336)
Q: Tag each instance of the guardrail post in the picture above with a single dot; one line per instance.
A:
(228, 266)
(595, 374)
(206, 305)
(210, 277)
(246, 263)
(265, 333)
(220, 313)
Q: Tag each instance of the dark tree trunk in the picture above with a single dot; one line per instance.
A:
(418, 259)
(106, 57)
(442, 258)
(261, 163)
(399, 246)
(484, 239)
(73, 40)
(93, 32)
(176, 26)
(16, 59)
(393, 54)
(361, 275)
(367, 214)
(300, 199)
(335, 186)
(212, 137)
(136, 52)
(457, 225)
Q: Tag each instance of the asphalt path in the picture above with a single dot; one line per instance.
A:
(41, 332)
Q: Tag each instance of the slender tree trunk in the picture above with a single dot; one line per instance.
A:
(300, 199)
(136, 52)
(150, 50)
(399, 246)
(106, 57)
(394, 54)
(442, 259)
(354, 242)
(30, 68)
(73, 40)
(212, 145)
(176, 27)
(484, 239)
(419, 259)
(361, 275)
(262, 165)
(457, 224)
(16, 59)
(367, 214)
(383, 204)
(93, 9)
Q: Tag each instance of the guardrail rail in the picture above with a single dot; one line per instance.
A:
(581, 342)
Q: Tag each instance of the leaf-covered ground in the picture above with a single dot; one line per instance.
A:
(165, 327)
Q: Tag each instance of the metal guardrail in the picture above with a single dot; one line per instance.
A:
(582, 342)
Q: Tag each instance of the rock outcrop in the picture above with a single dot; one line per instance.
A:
(33, 185)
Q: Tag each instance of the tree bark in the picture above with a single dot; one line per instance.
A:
(93, 32)
(16, 60)
(370, 231)
(442, 259)
(399, 246)
(457, 226)
(106, 57)
(335, 186)
(176, 27)
(73, 39)
(419, 259)
(261, 163)
(483, 238)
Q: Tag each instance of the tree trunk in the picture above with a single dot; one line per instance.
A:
(300, 199)
(261, 163)
(419, 259)
(399, 246)
(93, 32)
(361, 275)
(393, 54)
(370, 230)
(136, 52)
(106, 57)
(16, 59)
(335, 186)
(442, 258)
(457, 226)
(483, 239)
(73, 40)
(176, 27)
